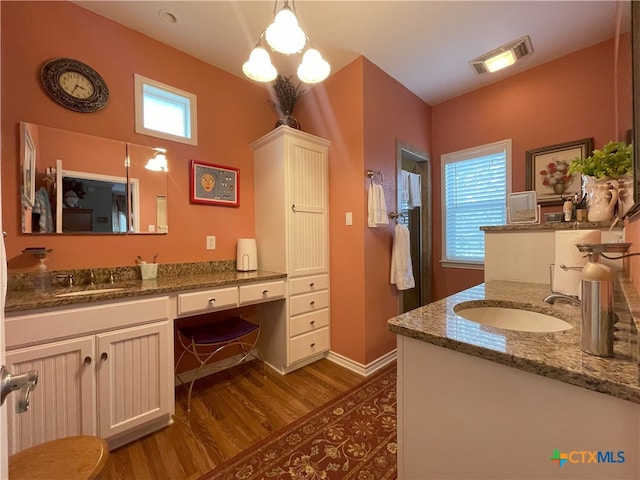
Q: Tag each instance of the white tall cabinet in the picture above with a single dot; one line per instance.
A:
(291, 181)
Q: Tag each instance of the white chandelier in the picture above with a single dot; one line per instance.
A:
(285, 36)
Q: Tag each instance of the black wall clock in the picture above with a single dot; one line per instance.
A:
(74, 85)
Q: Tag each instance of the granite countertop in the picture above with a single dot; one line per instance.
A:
(554, 355)
(23, 300)
(550, 226)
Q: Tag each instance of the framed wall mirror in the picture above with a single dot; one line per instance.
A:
(74, 183)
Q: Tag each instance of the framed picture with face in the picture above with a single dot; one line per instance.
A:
(212, 184)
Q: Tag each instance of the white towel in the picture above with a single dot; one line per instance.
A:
(415, 190)
(401, 267)
(377, 207)
(404, 186)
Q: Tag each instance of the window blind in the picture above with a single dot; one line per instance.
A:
(475, 194)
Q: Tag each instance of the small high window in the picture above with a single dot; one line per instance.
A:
(165, 112)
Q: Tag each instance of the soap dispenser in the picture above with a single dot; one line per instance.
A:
(41, 281)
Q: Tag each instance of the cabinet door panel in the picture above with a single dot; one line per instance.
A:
(132, 377)
(62, 404)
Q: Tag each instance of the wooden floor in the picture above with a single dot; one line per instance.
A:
(230, 411)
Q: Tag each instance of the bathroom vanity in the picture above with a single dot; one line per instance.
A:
(490, 402)
(105, 358)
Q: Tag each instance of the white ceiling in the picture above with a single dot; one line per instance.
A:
(425, 45)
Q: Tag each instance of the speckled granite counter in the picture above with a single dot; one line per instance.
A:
(554, 355)
(27, 299)
(527, 227)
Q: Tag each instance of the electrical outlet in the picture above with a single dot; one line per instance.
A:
(211, 242)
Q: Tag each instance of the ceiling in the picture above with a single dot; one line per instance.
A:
(424, 45)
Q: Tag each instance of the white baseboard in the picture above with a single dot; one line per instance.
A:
(359, 368)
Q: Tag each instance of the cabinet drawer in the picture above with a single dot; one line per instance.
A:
(308, 322)
(308, 284)
(261, 292)
(209, 300)
(309, 344)
(309, 302)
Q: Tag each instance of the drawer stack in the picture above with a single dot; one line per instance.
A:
(308, 329)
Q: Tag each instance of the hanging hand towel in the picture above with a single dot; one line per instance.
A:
(415, 191)
(401, 266)
(404, 186)
(377, 207)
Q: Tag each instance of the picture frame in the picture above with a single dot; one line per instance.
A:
(546, 173)
(28, 169)
(212, 184)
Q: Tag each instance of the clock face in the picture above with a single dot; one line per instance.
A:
(74, 85)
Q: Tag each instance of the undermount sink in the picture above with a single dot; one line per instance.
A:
(88, 292)
(511, 318)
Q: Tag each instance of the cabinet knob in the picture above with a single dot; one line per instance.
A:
(311, 285)
(312, 303)
(104, 356)
(265, 292)
(212, 301)
(87, 361)
(312, 345)
(312, 322)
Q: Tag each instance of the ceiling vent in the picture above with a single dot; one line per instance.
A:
(503, 56)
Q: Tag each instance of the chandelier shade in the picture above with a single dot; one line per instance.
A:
(285, 36)
(259, 67)
(158, 163)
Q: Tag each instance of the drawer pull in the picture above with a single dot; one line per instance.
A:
(312, 345)
(312, 322)
(212, 301)
(87, 361)
(265, 292)
(312, 303)
(104, 356)
(311, 285)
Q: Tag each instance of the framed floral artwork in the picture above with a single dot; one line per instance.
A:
(212, 184)
(547, 170)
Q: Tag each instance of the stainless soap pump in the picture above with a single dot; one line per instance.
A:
(598, 316)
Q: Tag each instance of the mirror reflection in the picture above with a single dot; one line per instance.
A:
(76, 183)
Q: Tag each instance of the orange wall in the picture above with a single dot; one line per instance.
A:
(564, 100)
(362, 299)
(232, 114)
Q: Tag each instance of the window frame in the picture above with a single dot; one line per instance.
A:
(458, 156)
(140, 81)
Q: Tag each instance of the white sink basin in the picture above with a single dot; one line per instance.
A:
(88, 292)
(512, 318)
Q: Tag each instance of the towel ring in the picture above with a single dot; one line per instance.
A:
(372, 173)
(394, 216)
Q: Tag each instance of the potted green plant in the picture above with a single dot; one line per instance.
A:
(607, 180)
(287, 94)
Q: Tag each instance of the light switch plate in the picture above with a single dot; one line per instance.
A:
(348, 218)
(211, 242)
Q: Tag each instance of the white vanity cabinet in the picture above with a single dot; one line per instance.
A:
(291, 170)
(104, 370)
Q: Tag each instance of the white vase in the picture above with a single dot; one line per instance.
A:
(625, 194)
(602, 197)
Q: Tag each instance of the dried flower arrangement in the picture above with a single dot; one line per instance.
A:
(287, 94)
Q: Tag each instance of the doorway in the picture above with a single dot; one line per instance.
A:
(416, 216)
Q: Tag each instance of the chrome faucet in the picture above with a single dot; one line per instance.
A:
(554, 297)
(69, 277)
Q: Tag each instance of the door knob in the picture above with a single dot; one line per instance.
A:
(25, 382)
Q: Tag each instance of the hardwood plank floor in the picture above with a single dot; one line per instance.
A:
(230, 411)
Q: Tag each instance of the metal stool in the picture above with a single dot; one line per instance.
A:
(206, 341)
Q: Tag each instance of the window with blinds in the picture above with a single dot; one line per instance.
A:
(475, 184)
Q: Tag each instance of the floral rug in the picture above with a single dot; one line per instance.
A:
(351, 437)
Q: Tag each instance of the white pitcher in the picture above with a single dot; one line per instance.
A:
(602, 198)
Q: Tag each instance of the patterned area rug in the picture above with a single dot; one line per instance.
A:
(351, 437)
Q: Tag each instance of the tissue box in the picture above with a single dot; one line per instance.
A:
(149, 271)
